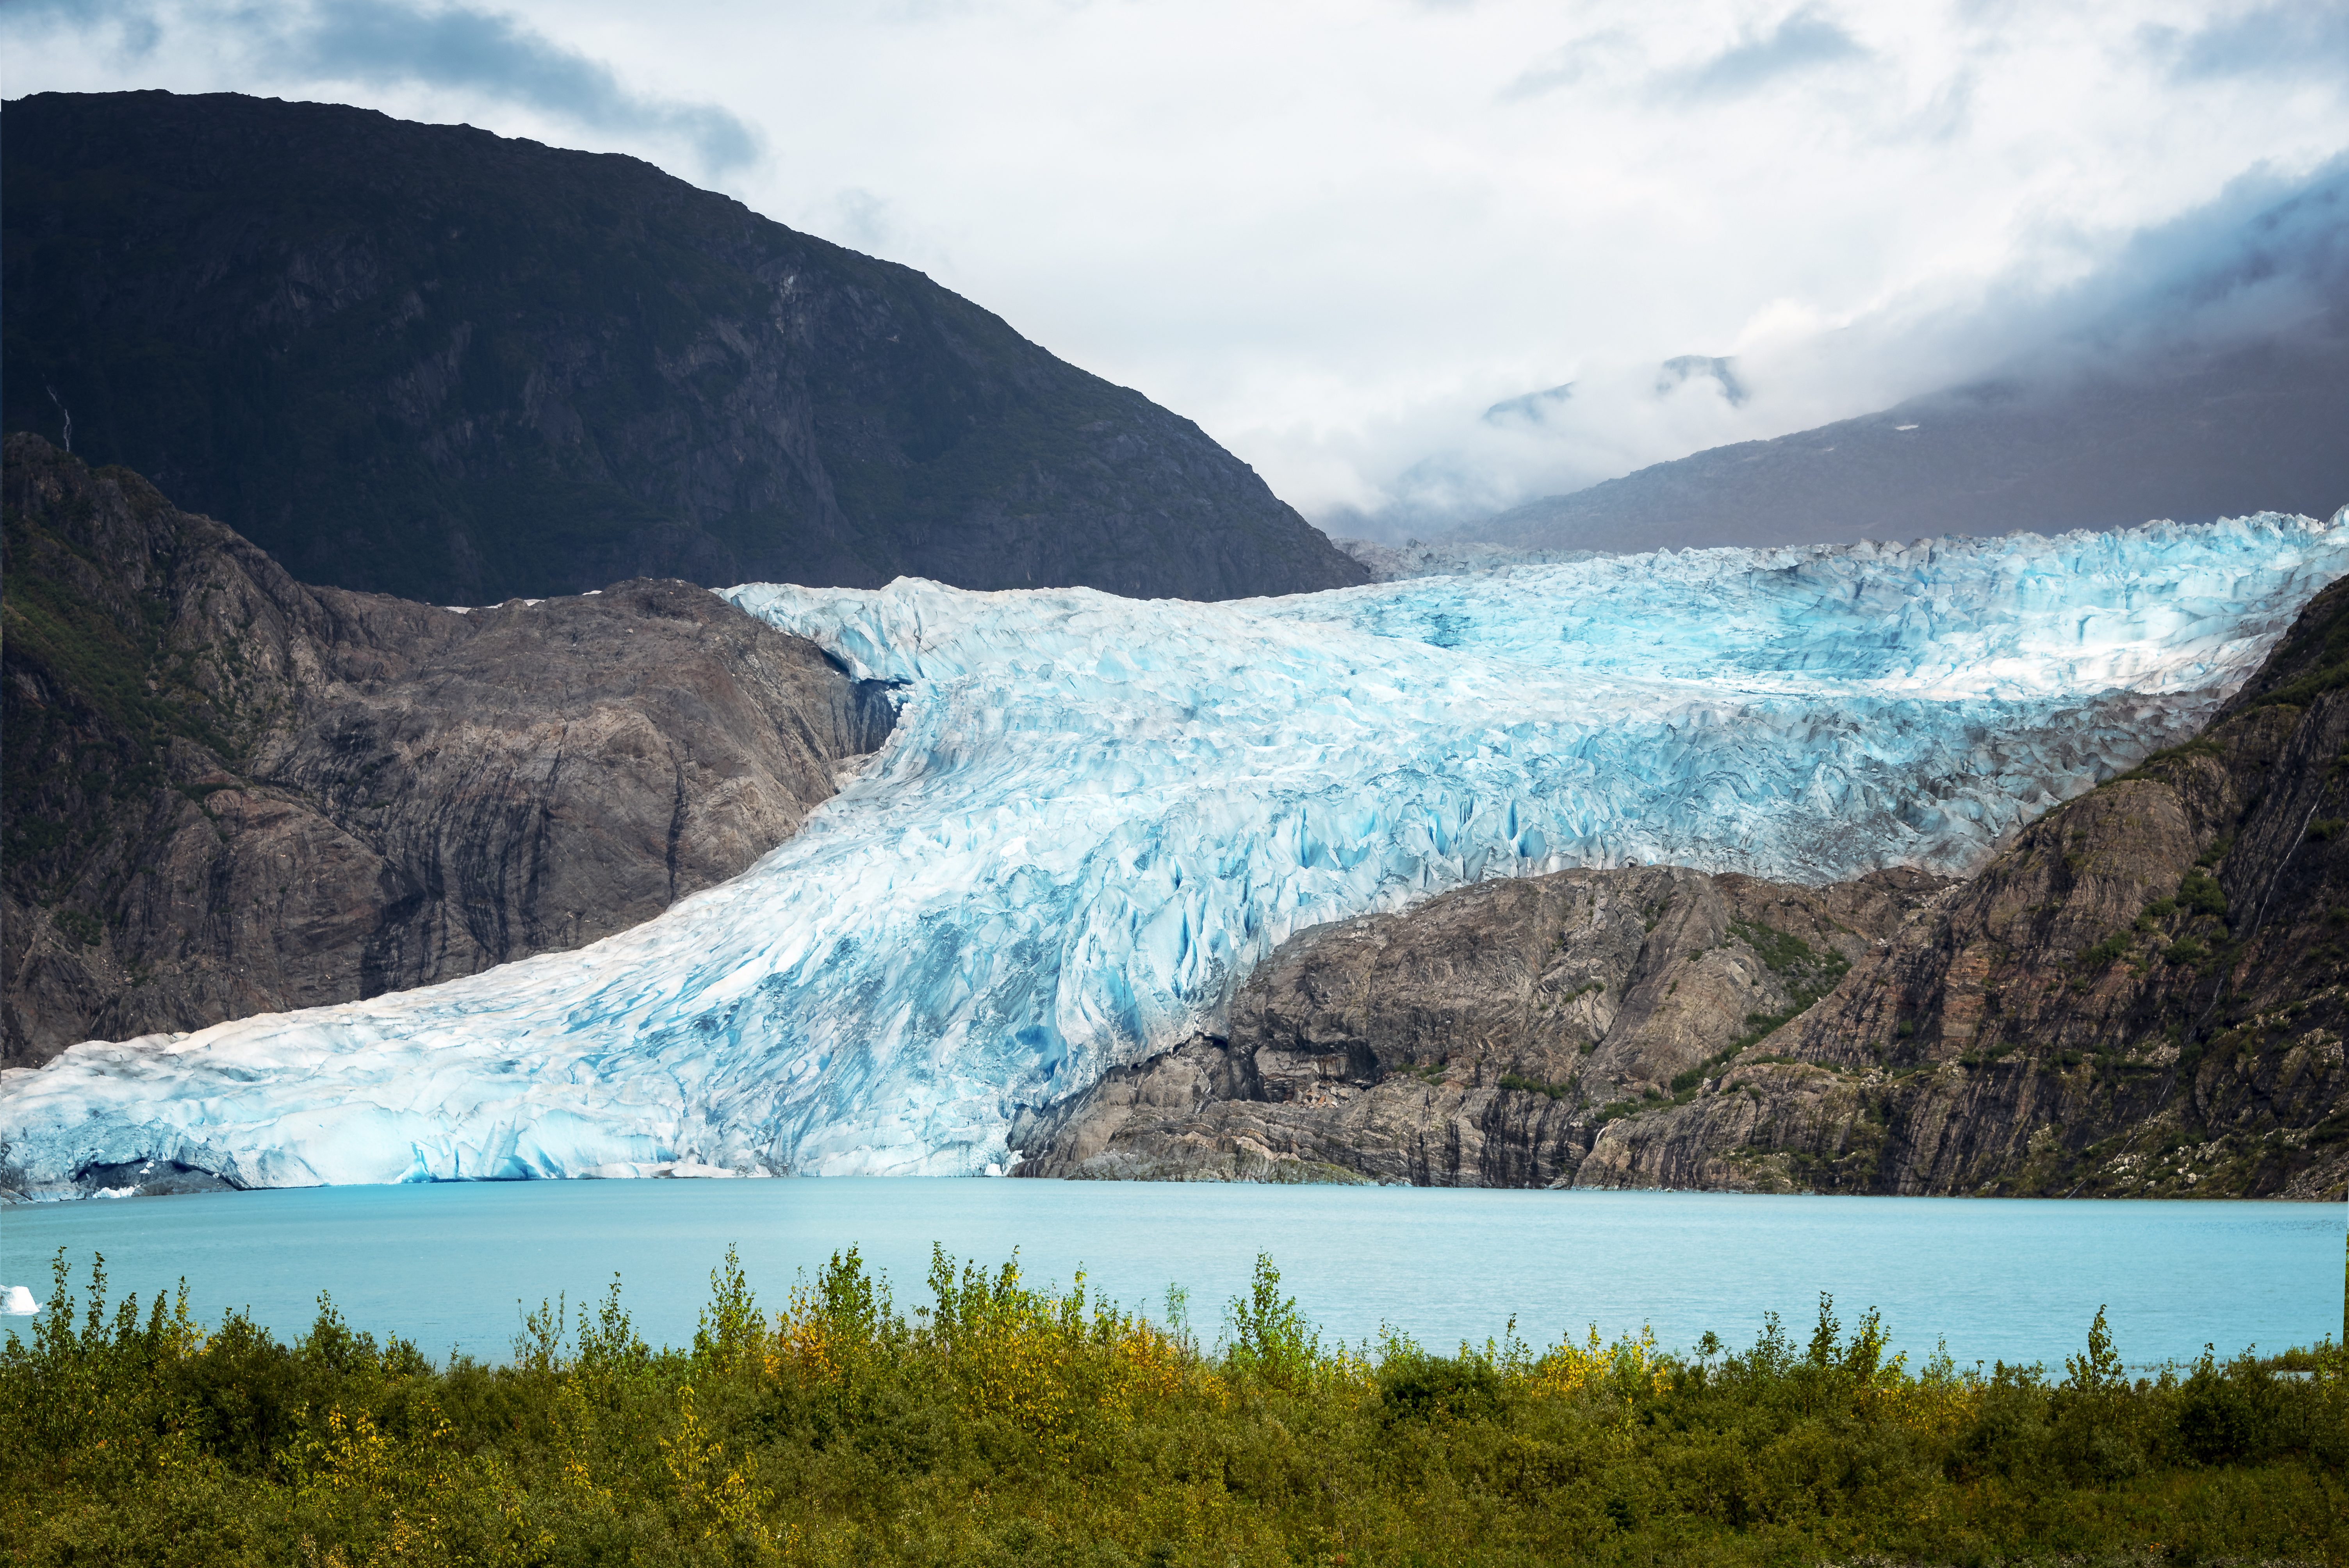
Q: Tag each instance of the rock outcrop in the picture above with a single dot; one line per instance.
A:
(2145, 995)
(229, 793)
(1480, 1039)
(429, 361)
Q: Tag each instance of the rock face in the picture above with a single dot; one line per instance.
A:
(2145, 995)
(1480, 1039)
(228, 793)
(429, 361)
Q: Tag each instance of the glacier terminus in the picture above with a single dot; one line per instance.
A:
(1097, 814)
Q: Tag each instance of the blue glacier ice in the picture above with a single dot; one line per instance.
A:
(1096, 814)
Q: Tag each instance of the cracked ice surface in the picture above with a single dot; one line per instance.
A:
(1097, 814)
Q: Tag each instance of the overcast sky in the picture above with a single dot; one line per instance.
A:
(1335, 235)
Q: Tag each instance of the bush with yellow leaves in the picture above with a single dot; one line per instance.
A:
(1007, 1423)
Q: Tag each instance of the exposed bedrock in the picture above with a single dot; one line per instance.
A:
(230, 793)
(1479, 1039)
(2145, 994)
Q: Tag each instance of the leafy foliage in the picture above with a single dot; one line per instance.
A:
(1005, 1424)
(1535, 1086)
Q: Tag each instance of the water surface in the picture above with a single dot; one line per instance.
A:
(446, 1264)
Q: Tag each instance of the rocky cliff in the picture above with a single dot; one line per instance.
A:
(2145, 994)
(429, 361)
(229, 793)
(1481, 1038)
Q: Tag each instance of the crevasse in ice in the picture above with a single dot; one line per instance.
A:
(1096, 814)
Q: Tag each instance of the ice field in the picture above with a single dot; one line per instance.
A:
(1097, 814)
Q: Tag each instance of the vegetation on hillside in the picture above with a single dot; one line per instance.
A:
(121, 696)
(1005, 1424)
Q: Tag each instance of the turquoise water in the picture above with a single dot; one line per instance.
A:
(446, 1265)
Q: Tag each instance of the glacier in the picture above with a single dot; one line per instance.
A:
(1097, 814)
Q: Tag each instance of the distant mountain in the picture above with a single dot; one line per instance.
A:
(2245, 430)
(429, 361)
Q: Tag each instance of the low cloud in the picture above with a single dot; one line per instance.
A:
(2267, 259)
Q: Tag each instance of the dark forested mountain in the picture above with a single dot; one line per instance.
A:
(2197, 436)
(429, 361)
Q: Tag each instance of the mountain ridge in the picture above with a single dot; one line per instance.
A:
(430, 361)
(2214, 433)
(229, 793)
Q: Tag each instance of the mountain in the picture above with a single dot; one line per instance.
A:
(1097, 820)
(228, 793)
(2189, 436)
(2146, 995)
(428, 361)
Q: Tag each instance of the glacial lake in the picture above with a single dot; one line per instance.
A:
(448, 1265)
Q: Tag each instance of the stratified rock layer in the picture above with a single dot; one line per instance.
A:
(228, 793)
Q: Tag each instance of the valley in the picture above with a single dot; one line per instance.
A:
(824, 734)
(1521, 877)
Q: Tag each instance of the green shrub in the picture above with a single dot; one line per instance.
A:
(1004, 1423)
(1535, 1086)
(2199, 893)
(2104, 953)
(79, 925)
(1418, 1386)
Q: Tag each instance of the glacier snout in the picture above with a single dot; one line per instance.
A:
(1096, 815)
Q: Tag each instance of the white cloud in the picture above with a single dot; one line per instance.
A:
(1335, 235)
